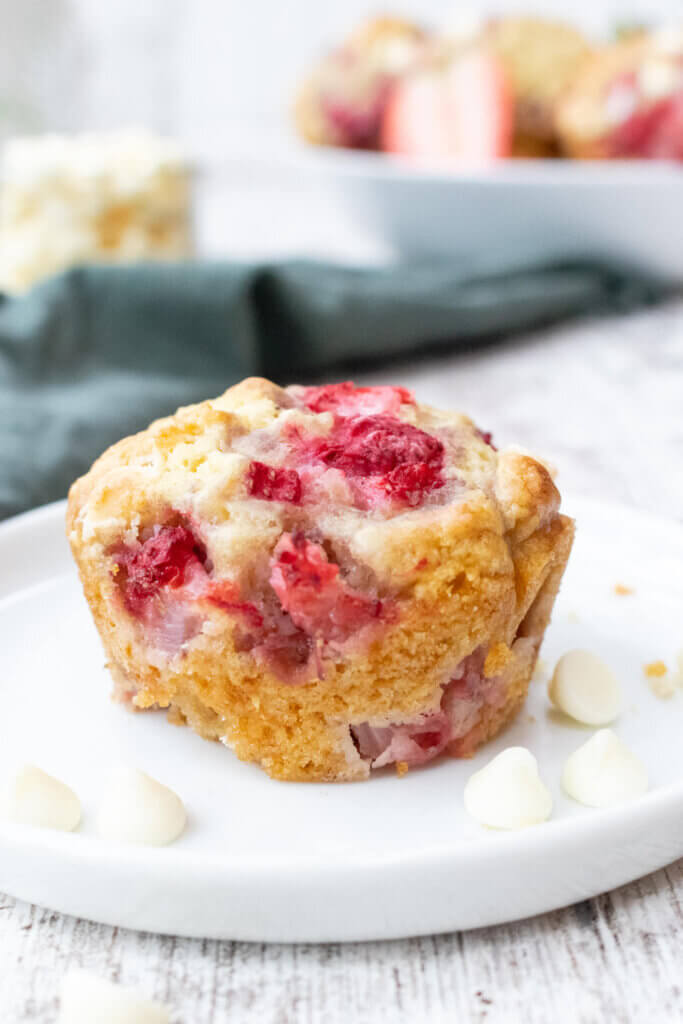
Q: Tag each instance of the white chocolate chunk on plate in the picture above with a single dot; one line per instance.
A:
(32, 797)
(508, 793)
(603, 771)
(135, 808)
(86, 999)
(585, 688)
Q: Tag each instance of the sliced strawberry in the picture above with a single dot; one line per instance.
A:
(414, 121)
(464, 112)
(481, 106)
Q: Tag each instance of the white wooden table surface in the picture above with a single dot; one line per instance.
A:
(604, 401)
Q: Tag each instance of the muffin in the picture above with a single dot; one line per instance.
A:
(342, 100)
(328, 579)
(627, 102)
(541, 58)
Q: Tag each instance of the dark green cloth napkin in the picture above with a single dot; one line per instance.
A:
(97, 352)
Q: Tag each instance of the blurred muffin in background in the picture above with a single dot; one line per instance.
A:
(342, 100)
(627, 101)
(541, 58)
(113, 198)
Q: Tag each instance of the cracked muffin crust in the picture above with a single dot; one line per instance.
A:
(326, 579)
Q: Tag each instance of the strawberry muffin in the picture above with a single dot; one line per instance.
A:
(628, 101)
(342, 100)
(328, 580)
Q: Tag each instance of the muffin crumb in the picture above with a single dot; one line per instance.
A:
(660, 682)
(663, 687)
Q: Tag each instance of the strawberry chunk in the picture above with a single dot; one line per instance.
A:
(464, 112)
(420, 741)
(311, 591)
(387, 459)
(163, 560)
(486, 436)
(410, 482)
(355, 121)
(414, 743)
(372, 445)
(346, 399)
(225, 594)
(273, 483)
(654, 131)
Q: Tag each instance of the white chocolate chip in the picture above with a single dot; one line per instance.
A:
(86, 999)
(136, 808)
(32, 797)
(585, 688)
(603, 772)
(507, 792)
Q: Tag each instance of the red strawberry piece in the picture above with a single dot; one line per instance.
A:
(346, 399)
(311, 591)
(387, 459)
(487, 437)
(375, 445)
(225, 594)
(654, 131)
(274, 483)
(161, 561)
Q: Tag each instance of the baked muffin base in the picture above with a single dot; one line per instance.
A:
(295, 738)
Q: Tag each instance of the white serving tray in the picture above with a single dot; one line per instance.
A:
(510, 212)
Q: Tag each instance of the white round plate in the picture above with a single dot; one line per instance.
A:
(391, 857)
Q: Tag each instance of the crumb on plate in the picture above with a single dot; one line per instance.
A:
(663, 687)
